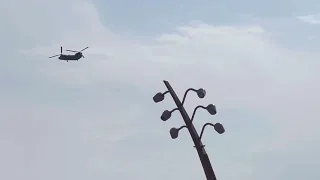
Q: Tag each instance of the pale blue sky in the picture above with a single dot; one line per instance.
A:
(162, 16)
(95, 118)
(123, 15)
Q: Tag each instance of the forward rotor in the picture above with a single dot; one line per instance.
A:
(57, 54)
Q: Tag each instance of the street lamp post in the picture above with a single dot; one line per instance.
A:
(189, 124)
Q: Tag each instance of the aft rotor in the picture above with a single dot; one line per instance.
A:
(78, 51)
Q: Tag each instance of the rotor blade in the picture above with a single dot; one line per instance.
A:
(72, 51)
(83, 56)
(54, 56)
(84, 49)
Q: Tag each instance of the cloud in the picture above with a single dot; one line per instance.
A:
(311, 19)
(95, 119)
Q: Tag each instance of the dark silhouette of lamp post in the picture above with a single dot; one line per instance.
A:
(174, 132)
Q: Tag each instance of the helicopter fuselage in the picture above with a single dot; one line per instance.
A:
(74, 57)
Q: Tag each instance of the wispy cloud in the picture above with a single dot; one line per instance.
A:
(311, 19)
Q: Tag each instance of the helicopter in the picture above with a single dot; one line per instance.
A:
(75, 57)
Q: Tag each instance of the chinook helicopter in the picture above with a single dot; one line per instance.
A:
(78, 55)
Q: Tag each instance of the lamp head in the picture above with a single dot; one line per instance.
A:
(201, 93)
(219, 128)
(165, 115)
(211, 109)
(174, 132)
(158, 97)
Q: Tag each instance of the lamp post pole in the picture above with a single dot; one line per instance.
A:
(203, 156)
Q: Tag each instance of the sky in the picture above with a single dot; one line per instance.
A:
(95, 118)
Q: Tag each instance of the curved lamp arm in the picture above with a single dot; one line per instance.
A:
(185, 94)
(159, 96)
(195, 110)
(203, 127)
(173, 110)
(181, 127)
(218, 127)
(167, 114)
(174, 132)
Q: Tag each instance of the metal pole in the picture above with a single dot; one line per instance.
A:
(205, 161)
